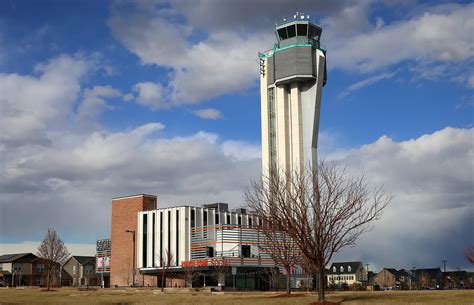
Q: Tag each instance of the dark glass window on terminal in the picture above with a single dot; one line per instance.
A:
(210, 251)
(245, 250)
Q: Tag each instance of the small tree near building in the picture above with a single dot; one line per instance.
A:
(55, 253)
(322, 209)
(166, 259)
(220, 269)
(282, 249)
(191, 274)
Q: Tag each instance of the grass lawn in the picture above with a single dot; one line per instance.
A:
(148, 296)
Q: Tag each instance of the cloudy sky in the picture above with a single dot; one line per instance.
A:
(102, 99)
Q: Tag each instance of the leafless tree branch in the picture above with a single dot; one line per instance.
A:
(54, 251)
(322, 209)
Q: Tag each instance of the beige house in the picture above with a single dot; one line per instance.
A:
(16, 269)
(26, 269)
(80, 271)
(347, 273)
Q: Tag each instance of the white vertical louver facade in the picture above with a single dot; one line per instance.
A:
(212, 235)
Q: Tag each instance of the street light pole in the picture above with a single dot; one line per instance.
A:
(102, 273)
(444, 262)
(133, 273)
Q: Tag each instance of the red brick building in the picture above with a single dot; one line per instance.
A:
(124, 224)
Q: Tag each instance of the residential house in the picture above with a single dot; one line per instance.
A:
(457, 280)
(17, 269)
(429, 278)
(346, 274)
(390, 278)
(80, 271)
(39, 273)
(26, 269)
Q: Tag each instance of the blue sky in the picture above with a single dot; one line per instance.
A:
(113, 98)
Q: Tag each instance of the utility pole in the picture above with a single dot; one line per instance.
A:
(367, 273)
(133, 273)
(413, 276)
(444, 262)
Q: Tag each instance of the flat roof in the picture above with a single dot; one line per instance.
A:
(133, 196)
(248, 211)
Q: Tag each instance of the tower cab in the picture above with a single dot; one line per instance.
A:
(297, 31)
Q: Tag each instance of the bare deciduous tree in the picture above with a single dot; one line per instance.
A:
(469, 253)
(272, 277)
(191, 274)
(322, 209)
(220, 269)
(281, 248)
(166, 259)
(54, 251)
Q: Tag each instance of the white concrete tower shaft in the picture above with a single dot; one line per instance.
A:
(292, 76)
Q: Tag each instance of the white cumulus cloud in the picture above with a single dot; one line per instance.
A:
(28, 103)
(437, 35)
(208, 113)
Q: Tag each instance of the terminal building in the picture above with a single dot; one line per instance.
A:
(146, 239)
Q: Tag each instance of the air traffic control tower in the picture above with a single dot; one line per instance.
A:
(292, 75)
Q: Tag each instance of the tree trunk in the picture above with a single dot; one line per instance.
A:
(321, 296)
(162, 282)
(47, 284)
(288, 281)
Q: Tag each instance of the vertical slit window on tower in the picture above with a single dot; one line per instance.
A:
(228, 218)
(193, 218)
(145, 220)
(216, 218)
(239, 220)
(177, 237)
(250, 221)
(271, 127)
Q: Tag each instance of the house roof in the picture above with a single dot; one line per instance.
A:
(83, 260)
(458, 274)
(392, 271)
(18, 258)
(345, 268)
(403, 272)
(395, 272)
(433, 273)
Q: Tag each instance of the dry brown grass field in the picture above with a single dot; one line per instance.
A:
(149, 296)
